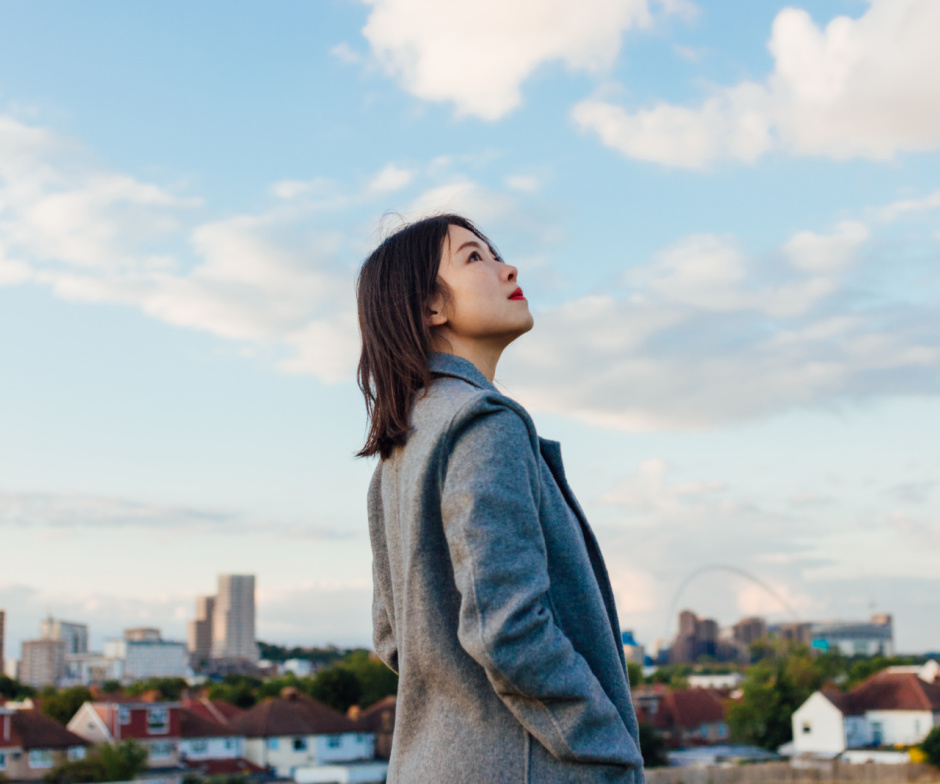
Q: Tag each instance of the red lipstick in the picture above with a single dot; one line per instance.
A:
(517, 294)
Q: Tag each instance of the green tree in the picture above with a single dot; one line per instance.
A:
(772, 690)
(931, 747)
(238, 690)
(111, 687)
(62, 705)
(376, 681)
(14, 690)
(335, 686)
(653, 747)
(121, 762)
(169, 688)
(634, 673)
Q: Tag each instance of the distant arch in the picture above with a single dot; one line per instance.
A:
(690, 578)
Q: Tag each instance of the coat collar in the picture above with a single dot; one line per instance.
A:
(451, 365)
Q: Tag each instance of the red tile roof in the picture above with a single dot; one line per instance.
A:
(293, 714)
(224, 767)
(380, 716)
(690, 708)
(894, 691)
(192, 725)
(32, 729)
(214, 710)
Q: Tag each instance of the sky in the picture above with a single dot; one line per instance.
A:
(725, 220)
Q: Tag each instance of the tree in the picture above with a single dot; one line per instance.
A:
(111, 687)
(169, 688)
(652, 747)
(375, 679)
(336, 687)
(634, 673)
(931, 747)
(14, 690)
(121, 762)
(772, 690)
(63, 705)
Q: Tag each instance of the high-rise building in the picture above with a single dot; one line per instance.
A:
(75, 635)
(749, 630)
(697, 637)
(200, 630)
(42, 662)
(233, 619)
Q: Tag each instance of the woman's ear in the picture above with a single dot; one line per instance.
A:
(435, 312)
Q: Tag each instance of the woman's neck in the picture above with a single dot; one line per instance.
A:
(483, 357)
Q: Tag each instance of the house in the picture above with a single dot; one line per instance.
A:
(216, 710)
(691, 717)
(293, 732)
(647, 699)
(212, 748)
(155, 725)
(379, 719)
(887, 709)
(32, 743)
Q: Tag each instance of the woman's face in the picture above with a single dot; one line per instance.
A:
(485, 303)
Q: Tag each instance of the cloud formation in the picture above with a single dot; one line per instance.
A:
(477, 55)
(858, 88)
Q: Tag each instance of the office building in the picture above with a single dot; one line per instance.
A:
(42, 663)
(233, 619)
(74, 635)
(200, 630)
(138, 656)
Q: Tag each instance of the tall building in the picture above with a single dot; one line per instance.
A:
(749, 630)
(42, 662)
(75, 635)
(697, 637)
(200, 630)
(233, 619)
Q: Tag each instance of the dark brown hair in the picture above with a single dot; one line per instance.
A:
(396, 284)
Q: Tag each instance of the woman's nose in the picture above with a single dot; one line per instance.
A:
(511, 272)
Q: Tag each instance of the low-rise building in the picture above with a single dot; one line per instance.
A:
(155, 725)
(211, 748)
(31, 744)
(691, 717)
(379, 719)
(291, 732)
(887, 709)
(140, 657)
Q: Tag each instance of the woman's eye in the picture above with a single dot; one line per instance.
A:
(475, 256)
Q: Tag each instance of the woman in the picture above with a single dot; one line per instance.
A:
(491, 599)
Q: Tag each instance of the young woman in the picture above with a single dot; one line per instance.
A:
(491, 599)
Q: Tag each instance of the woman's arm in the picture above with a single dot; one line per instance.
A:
(490, 495)
(383, 633)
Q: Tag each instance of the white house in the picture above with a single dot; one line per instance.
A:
(887, 709)
(294, 732)
(211, 747)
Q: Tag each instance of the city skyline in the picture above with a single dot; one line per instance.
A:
(730, 257)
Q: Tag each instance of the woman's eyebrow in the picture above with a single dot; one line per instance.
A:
(469, 242)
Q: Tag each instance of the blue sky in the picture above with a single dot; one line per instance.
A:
(725, 220)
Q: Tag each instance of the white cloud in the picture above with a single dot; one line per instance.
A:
(345, 53)
(649, 491)
(391, 178)
(859, 88)
(477, 55)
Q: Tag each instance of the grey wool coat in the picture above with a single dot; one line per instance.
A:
(492, 602)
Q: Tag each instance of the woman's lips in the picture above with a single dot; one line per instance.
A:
(517, 294)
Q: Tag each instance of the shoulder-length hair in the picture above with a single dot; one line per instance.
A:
(395, 287)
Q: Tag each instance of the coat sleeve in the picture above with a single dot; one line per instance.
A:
(490, 502)
(383, 632)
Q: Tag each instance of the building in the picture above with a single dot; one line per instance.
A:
(42, 662)
(199, 639)
(697, 637)
(691, 717)
(84, 669)
(632, 650)
(749, 630)
(143, 634)
(75, 635)
(800, 633)
(888, 709)
(212, 748)
(31, 744)
(233, 619)
(146, 656)
(294, 732)
(3, 621)
(379, 719)
(155, 725)
(855, 638)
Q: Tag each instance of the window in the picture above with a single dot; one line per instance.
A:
(199, 746)
(158, 721)
(161, 749)
(124, 715)
(807, 728)
(877, 733)
(228, 743)
(300, 744)
(272, 744)
(722, 730)
(3, 760)
(334, 741)
(76, 753)
(40, 758)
